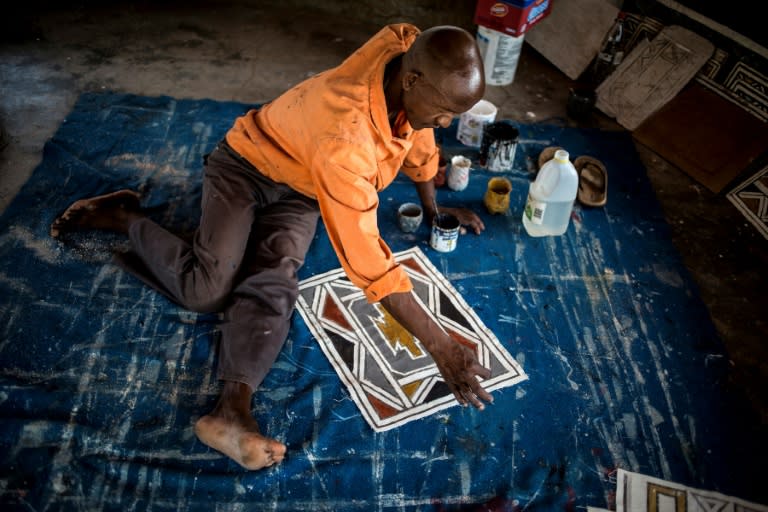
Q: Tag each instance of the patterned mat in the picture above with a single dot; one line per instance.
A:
(389, 374)
(751, 198)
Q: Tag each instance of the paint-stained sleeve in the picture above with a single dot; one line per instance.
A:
(421, 162)
(344, 176)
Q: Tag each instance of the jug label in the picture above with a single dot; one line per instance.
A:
(534, 210)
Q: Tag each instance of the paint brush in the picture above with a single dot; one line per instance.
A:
(437, 212)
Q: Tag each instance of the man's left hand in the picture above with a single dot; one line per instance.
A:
(466, 217)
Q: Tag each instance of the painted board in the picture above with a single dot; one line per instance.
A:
(387, 371)
(751, 199)
(652, 74)
(640, 493)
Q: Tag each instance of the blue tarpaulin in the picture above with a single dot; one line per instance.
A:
(102, 378)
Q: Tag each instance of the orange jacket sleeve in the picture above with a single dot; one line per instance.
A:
(422, 160)
(346, 192)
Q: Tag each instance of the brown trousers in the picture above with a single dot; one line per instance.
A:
(252, 239)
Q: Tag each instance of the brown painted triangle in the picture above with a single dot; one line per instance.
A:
(332, 312)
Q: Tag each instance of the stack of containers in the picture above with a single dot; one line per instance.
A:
(501, 29)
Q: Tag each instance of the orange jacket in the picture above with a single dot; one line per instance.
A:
(329, 138)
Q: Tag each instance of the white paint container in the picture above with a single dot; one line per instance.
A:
(471, 123)
(458, 175)
(445, 232)
(500, 53)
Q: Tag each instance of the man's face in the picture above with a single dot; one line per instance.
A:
(428, 106)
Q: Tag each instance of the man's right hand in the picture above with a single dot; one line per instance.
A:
(457, 363)
(460, 369)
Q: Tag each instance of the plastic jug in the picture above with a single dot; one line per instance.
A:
(551, 197)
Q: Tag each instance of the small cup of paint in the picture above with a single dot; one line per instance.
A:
(497, 195)
(409, 216)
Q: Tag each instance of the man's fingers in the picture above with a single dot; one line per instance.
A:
(479, 390)
(466, 387)
(475, 400)
(472, 394)
(467, 218)
(481, 371)
(475, 223)
(482, 393)
(458, 394)
(474, 397)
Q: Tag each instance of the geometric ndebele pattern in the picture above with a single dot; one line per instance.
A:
(751, 198)
(389, 374)
(636, 492)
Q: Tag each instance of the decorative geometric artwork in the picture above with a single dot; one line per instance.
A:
(389, 374)
(641, 493)
(652, 74)
(751, 198)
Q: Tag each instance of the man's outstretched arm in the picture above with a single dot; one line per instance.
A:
(457, 363)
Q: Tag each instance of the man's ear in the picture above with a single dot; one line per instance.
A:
(410, 78)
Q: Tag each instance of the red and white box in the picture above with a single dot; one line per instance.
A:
(511, 17)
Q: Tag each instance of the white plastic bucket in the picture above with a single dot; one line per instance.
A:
(500, 53)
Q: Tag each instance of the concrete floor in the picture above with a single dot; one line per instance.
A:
(251, 53)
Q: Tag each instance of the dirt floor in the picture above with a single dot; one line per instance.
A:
(248, 53)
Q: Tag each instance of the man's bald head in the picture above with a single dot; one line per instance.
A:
(449, 59)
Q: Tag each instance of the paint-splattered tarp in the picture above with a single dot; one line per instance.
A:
(101, 378)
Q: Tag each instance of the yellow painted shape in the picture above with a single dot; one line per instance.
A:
(395, 334)
(411, 388)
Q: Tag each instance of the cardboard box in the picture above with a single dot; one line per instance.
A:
(511, 17)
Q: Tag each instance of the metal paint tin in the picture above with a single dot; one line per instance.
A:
(497, 152)
(445, 232)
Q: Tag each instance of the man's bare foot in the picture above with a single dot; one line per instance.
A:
(112, 212)
(231, 429)
(239, 441)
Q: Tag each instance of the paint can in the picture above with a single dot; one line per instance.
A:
(445, 232)
(458, 175)
(497, 152)
(471, 122)
(409, 217)
(496, 198)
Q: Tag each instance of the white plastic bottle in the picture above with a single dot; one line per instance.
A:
(551, 197)
(500, 53)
